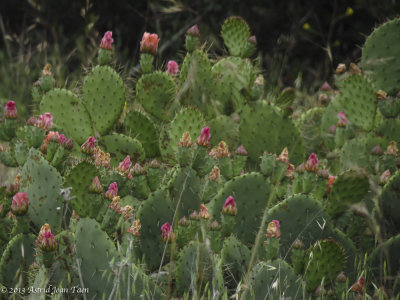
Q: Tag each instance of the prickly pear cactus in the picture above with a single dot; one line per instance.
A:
(224, 128)
(95, 251)
(104, 95)
(380, 60)
(251, 193)
(263, 128)
(155, 92)
(390, 201)
(309, 125)
(236, 34)
(139, 126)
(69, 113)
(42, 183)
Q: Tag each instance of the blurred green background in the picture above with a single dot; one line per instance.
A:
(296, 39)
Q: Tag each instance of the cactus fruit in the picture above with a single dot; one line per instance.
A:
(379, 57)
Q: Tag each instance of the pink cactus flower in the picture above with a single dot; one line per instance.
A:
(88, 146)
(107, 41)
(112, 191)
(385, 177)
(229, 207)
(51, 136)
(149, 43)
(125, 165)
(273, 229)
(342, 119)
(326, 87)
(204, 138)
(45, 121)
(167, 233)
(46, 239)
(241, 150)
(312, 163)
(242, 173)
(62, 138)
(95, 186)
(10, 110)
(20, 203)
(204, 212)
(172, 68)
(193, 31)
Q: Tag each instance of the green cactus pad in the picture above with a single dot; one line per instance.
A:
(155, 92)
(16, 259)
(389, 129)
(154, 212)
(350, 187)
(309, 125)
(197, 86)
(380, 59)
(139, 126)
(186, 189)
(273, 280)
(42, 183)
(301, 217)
(79, 178)
(194, 268)
(251, 193)
(95, 251)
(234, 76)
(357, 100)
(224, 128)
(69, 113)
(188, 119)
(235, 259)
(263, 128)
(20, 152)
(236, 33)
(350, 251)
(390, 201)
(326, 259)
(104, 95)
(119, 146)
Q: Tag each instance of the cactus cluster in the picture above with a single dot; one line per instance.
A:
(206, 187)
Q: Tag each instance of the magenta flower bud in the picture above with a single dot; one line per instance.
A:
(242, 173)
(125, 165)
(32, 121)
(193, 31)
(95, 186)
(138, 170)
(112, 191)
(89, 145)
(167, 233)
(172, 68)
(241, 151)
(253, 39)
(229, 207)
(10, 110)
(19, 205)
(273, 229)
(204, 138)
(68, 144)
(149, 43)
(385, 177)
(48, 243)
(326, 87)
(107, 41)
(342, 119)
(312, 163)
(45, 121)
(62, 138)
(377, 150)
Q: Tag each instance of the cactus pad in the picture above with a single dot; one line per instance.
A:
(224, 128)
(390, 201)
(236, 33)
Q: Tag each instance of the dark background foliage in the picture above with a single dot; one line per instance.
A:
(66, 33)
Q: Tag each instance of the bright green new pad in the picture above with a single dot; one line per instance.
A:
(155, 92)
(357, 100)
(16, 259)
(188, 119)
(349, 188)
(104, 95)
(139, 126)
(326, 259)
(263, 128)
(251, 192)
(380, 58)
(69, 113)
(236, 33)
(95, 251)
(301, 217)
(119, 146)
(42, 183)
